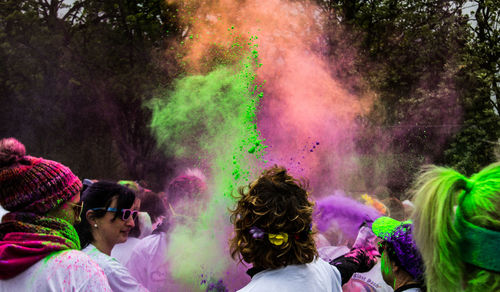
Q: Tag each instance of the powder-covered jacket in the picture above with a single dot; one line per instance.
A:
(67, 270)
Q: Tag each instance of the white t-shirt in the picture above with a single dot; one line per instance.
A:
(68, 270)
(149, 265)
(122, 251)
(315, 276)
(119, 277)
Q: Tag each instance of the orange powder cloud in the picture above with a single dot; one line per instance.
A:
(303, 102)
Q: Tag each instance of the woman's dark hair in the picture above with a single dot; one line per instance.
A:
(100, 195)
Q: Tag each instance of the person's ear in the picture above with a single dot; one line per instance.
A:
(90, 215)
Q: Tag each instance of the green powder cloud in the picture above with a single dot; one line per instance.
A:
(210, 118)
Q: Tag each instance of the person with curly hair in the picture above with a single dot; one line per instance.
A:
(273, 232)
(457, 228)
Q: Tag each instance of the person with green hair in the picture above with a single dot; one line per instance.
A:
(457, 228)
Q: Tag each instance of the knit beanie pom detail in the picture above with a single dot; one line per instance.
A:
(32, 184)
(11, 151)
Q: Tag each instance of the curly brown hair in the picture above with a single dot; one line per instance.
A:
(275, 202)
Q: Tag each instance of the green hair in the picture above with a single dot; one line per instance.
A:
(436, 192)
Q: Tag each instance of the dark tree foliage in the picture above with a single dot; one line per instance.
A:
(479, 80)
(435, 76)
(74, 78)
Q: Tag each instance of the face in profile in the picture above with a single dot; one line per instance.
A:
(69, 211)
(113, 230)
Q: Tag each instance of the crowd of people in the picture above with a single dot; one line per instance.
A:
(59, 234)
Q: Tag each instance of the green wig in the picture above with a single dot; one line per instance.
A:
(457, 228)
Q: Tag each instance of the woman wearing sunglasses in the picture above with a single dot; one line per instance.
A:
(108, 216)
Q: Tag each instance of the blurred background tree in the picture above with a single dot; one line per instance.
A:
(74, 78)
(474, 146)
(435, 67)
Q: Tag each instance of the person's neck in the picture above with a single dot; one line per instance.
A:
(103, 247)
(403, 279)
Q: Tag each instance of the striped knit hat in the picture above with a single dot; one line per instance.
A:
(31, 184)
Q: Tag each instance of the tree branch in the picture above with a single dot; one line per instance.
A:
(73, 11)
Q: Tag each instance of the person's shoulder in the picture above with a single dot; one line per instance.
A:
(109, 264)
(106, 262)
(67, 270)
(69, 257)
(118, 275)
(96, 254)
(153, 238)
(256, 284)
(72, 261)
(271, 280)
(324, 263)
(150, 244)
(320, 262)
(328, 270)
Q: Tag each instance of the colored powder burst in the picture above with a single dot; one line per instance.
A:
(211, 118)
(304, 101)
(308, 116)
(375, 203)
(344, 213)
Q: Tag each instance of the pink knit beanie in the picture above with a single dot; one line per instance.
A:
(31, 184)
